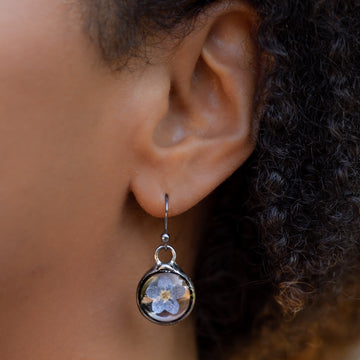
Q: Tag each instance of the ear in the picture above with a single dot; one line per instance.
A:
(207, 131)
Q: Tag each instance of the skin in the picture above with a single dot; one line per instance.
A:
(86, 158)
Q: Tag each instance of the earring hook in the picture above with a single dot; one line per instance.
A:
(166, 212)
(165, 236)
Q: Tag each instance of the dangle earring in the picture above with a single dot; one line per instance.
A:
(165, 294)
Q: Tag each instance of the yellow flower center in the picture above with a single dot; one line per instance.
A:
(165, 295)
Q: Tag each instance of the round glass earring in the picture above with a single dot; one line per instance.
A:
(165, 294)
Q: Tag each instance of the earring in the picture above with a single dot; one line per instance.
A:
(165, 294)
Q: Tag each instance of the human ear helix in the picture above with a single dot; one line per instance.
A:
(165, 294)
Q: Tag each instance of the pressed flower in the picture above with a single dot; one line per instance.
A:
(165, 294)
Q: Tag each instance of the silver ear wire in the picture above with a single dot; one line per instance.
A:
(166, 212)
(165, 237)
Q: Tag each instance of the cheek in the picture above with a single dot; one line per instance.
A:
(35, 43)
(66, 141)
(60, 165)
(43, 83)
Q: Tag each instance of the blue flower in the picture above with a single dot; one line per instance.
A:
(165, 295)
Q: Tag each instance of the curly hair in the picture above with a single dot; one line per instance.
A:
(284, 234)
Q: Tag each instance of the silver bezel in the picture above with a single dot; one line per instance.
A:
(170, 267)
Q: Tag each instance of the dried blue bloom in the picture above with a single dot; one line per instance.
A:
(165, 295)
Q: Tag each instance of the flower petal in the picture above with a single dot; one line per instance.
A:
(158, 306)
(177, 292)
(171, 306)
(165, 283)
(153, 291)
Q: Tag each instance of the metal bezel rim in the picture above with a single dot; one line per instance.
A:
(166, 268)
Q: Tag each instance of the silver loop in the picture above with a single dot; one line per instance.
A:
(165, 247)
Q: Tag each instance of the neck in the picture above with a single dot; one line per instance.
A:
(80, 304)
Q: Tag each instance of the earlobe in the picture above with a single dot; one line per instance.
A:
(207, 132)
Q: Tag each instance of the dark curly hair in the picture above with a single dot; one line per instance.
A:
(285, 230)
